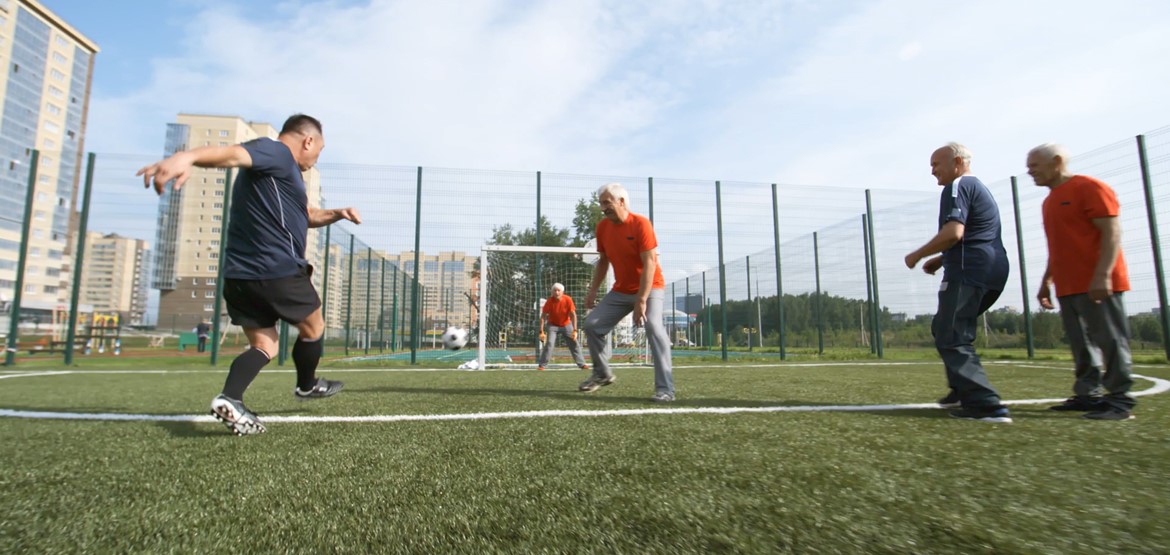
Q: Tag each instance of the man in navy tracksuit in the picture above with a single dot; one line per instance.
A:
(975, 270)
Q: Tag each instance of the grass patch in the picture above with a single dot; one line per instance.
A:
(906, 481)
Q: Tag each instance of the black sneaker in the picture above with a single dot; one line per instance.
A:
(323, 388)
(951, 401)
(1109, 414)
(998, 415)
(1083, 404)
(595, 383)
(236, 416)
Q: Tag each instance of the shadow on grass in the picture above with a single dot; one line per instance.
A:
(601, 396)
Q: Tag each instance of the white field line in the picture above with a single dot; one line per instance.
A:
(1160, 386)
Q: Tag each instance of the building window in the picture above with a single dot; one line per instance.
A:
(30, 288)
(213, 255)
(208, 307)
(217, 218)
(51, 290)
(219, 193)
(56, 75)
(55, 92)
(213, 268)
(192, 294)
(59, 58)
(34, 251)
(50, 143)
(217, 205)
(210, 281)
(52, 127)
(61, 41)
(223, 133)
(210, 294)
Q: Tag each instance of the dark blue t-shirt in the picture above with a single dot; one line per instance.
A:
(978, 259)
(269, 216)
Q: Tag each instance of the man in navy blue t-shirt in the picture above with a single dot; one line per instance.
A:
(975, 269)
(266, 276)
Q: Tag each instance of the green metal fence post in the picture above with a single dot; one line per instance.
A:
(414, 285)
(1156, 243)
(650, 202)
(382, 306)
(722, 268)
(779, 275)
(539, 271)
(21, 262)
(82, 228)
(225, 217)
(877, 303)
(369, 293)
(325, 289)
(748, 265)
(687, 309)
(349, 295)
(707, 331)
(282, 344)
(869, 314)
(819, 305)
(394, 312)
(1028, 337)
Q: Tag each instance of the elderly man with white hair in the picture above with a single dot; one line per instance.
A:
(559, 315)
(627, 241)
(1086, 265)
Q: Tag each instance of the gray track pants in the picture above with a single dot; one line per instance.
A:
(601, 320)
(1098, 335)
(574, 347)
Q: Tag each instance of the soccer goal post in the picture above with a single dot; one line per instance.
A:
(514, 283)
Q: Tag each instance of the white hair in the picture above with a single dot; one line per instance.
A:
(616, 189)
(558, 287)
(959, 151)
(1049, 151)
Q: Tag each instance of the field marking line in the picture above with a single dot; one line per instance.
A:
(1160, 386)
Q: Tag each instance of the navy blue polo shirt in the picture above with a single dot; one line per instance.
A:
(269, 215)
(979, 259)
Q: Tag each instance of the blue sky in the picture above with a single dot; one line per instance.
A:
(793, 91)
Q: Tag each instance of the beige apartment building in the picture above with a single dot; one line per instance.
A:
(115, 276)
(44, 96)
(445, 287)
(187, 241)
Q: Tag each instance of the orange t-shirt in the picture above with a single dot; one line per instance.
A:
(559, 310)
(623, 244)
(1074, 243)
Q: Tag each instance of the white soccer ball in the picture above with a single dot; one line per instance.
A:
(455, 338)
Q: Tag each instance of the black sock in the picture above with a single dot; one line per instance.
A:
(244, 370)
(306, 355)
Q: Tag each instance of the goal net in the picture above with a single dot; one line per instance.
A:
(514, 283)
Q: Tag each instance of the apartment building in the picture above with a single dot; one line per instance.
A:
(115, 276)
(44, 98)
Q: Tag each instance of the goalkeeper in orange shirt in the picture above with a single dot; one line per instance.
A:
(559, 314)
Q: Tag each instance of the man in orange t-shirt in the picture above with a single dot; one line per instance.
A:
(627, 242)
(1086, 265)
(560, 315)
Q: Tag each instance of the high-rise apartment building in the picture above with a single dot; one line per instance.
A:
(445, 296)
(190, 221)
(44, 97)
(115, 276)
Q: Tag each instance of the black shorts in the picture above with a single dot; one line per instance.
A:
(259, 303)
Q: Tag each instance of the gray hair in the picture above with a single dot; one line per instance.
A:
(959, 151)
(1049, 151)
(616, 189)
(558, 287)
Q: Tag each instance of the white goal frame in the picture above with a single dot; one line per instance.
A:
(484, 307)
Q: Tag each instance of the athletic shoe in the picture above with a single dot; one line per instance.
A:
(998, 414)
(951, 401)
(1083, 404)
(236, 416)
(323, 388)
(583, 366)
(1109, 414)
(540, 369)
(662, 397)
(595, 383)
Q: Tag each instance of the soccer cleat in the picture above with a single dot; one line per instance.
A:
(583, 366)
(323, 388)
(951, 401)
(540, 369)
(998, 415)
(662, 397)
(236, 416)
(595, 383)
(1083, 404)
(1109, 414)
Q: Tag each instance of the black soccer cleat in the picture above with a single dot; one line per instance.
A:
(323, 388)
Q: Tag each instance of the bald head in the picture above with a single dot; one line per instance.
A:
(950, 161)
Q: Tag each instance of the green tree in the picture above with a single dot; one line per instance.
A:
(585, 218)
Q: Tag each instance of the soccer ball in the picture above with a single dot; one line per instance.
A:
(454, 338)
